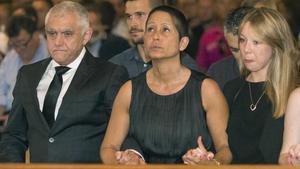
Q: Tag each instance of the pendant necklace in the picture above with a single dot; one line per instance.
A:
(252, 105)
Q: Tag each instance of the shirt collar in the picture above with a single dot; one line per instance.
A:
(136, 55)
(73, 65)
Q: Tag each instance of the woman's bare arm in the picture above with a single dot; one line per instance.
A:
(118, 125)
(291, 136)
(217, 114)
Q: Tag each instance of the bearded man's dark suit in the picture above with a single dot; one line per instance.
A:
(77, 133)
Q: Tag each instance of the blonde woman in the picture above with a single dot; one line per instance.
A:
(257, 101)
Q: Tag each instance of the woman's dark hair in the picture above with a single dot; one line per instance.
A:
(178, 18)
(104, 10)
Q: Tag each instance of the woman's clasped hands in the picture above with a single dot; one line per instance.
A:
(129, 157)
(294, 155)
(199, 155)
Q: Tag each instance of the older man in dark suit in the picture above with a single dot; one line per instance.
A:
(62, 104)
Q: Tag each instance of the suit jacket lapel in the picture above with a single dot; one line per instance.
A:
(35, 79)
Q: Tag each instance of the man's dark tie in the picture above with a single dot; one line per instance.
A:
(52, 94)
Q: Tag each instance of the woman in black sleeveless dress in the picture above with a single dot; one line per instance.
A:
(168, 107)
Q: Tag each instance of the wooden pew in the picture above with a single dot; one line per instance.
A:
(99, 166)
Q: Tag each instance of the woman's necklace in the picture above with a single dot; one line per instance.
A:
(252, 105)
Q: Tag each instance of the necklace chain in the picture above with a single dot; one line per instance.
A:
(252, 105)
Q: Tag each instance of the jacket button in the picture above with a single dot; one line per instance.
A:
(51, 140)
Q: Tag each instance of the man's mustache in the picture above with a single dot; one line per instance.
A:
(135, 30)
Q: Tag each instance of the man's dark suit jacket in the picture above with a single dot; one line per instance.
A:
(82, 119)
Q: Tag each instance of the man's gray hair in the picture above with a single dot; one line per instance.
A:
(70, 7)
(234, 19)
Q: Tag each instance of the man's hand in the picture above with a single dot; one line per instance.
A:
(128, 157)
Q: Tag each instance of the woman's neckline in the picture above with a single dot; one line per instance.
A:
(173, 93)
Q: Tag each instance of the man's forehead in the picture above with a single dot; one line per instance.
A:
(59, 22)
(137, 6)
(63, 14)
(59, 29)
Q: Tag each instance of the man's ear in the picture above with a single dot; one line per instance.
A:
(184, 41)
(87, 35)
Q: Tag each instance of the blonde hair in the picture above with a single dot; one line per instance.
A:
(282, 72)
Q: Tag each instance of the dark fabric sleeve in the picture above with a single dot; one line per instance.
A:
(118, 77)
(189, 62)
(231, 90)
(14, 143)
(113, 46)
(215, 71)
(131, 143)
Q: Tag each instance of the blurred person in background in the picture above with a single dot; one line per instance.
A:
(54, 2)
(41, 7)
(190, 10)
(25, 8)
(205, 11)
(227, 68)
(28, 46)
(15, 3)
(212, 45)
(104, 43)
(5, 11)
(120, 27)
(288, 8)
(292, 10)
(273, 4)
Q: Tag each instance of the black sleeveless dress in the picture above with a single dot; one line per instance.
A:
(166, 127)
(254, 137)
